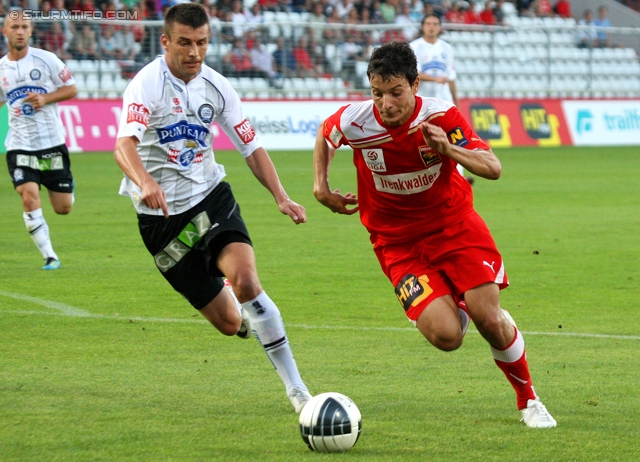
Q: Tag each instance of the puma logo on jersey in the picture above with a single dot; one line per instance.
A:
(361, 127)
(490, 265)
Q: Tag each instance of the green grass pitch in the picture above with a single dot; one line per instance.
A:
(102, 361)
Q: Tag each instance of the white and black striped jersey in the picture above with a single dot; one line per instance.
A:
(38, 72)
(172, 120)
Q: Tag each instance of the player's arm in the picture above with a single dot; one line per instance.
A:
(63, 93)
(432, 78)
(333, 200)
(263, 169)
(480, 162)
(128, 159)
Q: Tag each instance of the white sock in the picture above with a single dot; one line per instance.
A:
(268, 328)
(37, 227)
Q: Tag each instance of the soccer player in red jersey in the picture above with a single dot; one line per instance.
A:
(432, 245)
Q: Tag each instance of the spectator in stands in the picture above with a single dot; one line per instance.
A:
(67, 26)
(317, 18)
(262, 59)
(108, 44)
(350, 51)
(416, 10)
(255, 18)
(498, 12)
(284, 62)
(456, 15)
(487, 16)
(563, 8)
(54, 41)
(603, 23)
(388, 10)
(238, 18)
(543, 9)
(238, 63)
(84, 44)
(304, 64)
(300, 6)
(409, 32)
(587, 35)
(524, 8)
(336, 33)
(216, 24)
(226, 30)
(343, 7)
(471, 16)
(128, 44)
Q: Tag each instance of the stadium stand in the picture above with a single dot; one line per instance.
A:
(526, 56)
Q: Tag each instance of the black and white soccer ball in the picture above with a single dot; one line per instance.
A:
(330, 422)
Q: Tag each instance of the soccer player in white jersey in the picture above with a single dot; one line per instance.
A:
(187, 216)
(436, 67)
(33, 81)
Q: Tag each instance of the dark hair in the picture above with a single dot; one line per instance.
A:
(431, 15)
(188, 14)
(393, 59)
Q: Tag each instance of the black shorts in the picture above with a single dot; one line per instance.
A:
(50, 167)
(185, 247)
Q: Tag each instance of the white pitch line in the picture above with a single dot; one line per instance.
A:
(66, 310)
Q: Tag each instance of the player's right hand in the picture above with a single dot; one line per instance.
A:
(338, 203)
(154, 197)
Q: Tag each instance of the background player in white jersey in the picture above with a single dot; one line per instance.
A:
(33, 81)
(188, 217)
(436, 66)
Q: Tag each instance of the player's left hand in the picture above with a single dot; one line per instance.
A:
(295, 211)
(435, 137)
(35, 99)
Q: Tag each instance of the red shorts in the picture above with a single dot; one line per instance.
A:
(447, 262)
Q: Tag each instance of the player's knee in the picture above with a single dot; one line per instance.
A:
(447, 343)
(62, 209)
(246, 287)
(491, 323)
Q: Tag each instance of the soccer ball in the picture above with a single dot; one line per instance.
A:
(330, 422)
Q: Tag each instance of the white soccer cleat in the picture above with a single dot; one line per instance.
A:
(245, 328)
(535, 415)
(509, 318)
(299, 397)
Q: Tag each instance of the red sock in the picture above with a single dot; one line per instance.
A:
(512, 360)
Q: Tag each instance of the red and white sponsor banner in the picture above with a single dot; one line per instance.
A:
(292, 125)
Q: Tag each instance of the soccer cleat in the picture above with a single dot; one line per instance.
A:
(535, 415)
(51, 264)
(299, 397)
(509, 318)
(245, 328)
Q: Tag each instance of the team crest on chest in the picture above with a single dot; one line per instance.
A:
(429, 156)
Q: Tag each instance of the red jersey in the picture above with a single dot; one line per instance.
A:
(405, 188)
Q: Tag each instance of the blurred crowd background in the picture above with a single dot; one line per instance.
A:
(277, 39)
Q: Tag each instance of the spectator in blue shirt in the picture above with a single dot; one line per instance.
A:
(285, 63)
(603, 40)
